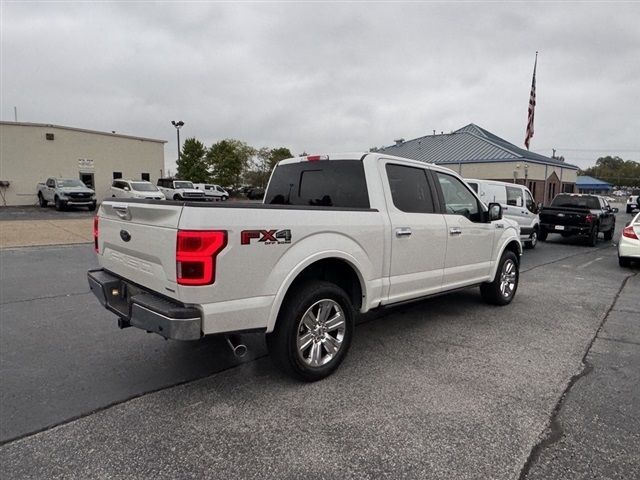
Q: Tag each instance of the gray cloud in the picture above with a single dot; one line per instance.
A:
(329, 76)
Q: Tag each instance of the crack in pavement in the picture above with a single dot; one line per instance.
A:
(554, 428)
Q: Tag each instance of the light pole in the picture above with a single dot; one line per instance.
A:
(179, 124)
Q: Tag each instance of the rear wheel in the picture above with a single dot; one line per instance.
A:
(624, 262)
(503, 288)
(593, 236)
(42, 201)
(313, 331)
(608, 235)
(542, 235)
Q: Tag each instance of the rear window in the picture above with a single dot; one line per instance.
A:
(574, 201)
(326, 183)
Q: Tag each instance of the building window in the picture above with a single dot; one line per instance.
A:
(117, 175)
(145, 176)
(49, 136)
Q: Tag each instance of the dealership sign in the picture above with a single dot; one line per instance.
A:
(85, 163)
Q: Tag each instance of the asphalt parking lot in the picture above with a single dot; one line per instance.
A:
(447, 388)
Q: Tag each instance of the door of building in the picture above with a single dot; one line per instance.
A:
(87, 179)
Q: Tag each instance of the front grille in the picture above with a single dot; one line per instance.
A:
(193, 194)
(80, 195)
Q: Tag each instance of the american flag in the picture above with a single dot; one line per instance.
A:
(532, 106)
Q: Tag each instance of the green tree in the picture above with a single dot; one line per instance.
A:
(619, 172)
(192, 165)
(228, 159)
(263, 163)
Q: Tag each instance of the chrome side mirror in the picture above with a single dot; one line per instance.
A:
(495, 212)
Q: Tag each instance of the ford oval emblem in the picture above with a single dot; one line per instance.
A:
(124, 235)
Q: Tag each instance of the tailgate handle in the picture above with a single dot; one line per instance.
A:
(123, 212)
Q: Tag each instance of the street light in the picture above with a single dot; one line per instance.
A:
(179, 124)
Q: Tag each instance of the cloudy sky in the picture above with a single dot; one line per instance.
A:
(320, 76)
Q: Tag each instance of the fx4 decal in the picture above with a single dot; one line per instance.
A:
(268, 237)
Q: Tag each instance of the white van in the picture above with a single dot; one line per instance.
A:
(212, 192)
(517, 204)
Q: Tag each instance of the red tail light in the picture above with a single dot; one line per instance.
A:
(196, 252)
(96, 233)
(589, 218)
(629, 232)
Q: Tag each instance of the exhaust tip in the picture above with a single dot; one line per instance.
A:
(238, 349)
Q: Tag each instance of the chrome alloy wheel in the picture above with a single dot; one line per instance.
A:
(508, 278)
(533, 239)
(320, 333)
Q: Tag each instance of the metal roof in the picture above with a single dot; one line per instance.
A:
(469, 144)
(84, 130)
(584, 181)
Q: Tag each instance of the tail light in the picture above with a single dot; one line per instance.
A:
(196, 252)
(96, 233)
(629, 232)
(589, 218)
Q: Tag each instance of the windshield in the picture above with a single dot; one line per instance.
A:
(574, 201)
(143, 187)
(70, 183)
(182, 185)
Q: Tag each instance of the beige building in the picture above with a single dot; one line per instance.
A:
(474, 152)
(32, 152)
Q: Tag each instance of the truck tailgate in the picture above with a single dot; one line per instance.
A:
(138, 241)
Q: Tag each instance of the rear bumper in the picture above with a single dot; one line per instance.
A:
(144, 309)
(567, 229)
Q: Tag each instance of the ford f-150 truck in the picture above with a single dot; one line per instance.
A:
(63, 192)
(578, 214)
(335, 235)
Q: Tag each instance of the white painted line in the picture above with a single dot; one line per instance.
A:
(589, 263)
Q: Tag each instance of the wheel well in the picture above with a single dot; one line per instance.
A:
(513, 246)
(336, 271)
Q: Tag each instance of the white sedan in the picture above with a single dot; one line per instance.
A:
(629, 245)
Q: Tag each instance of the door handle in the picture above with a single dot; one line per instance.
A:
(403, 232)
(455, 231)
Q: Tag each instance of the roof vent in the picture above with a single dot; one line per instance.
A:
(399, 141)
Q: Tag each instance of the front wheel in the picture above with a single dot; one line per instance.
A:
(59, 204)
(313, 331)
(42, 201)
(177, 197)
(225, 198)
(533, 240)
(504, 285)
(92, 207)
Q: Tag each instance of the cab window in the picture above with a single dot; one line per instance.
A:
(458, 199)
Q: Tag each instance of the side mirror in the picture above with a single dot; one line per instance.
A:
(495, 212)
(539, 206)
(615, 210)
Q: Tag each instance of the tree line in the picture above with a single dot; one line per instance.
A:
(229, 162)
(614, 170)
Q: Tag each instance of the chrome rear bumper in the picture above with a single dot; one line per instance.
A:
(144, 309)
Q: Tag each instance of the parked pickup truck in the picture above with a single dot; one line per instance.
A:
(578, 214)
(335, 235)
(63, 192)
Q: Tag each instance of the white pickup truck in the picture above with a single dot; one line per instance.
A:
(66, 192)
(336, 235)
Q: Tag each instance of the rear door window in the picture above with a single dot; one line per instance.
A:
(326, 183)
(410, 189)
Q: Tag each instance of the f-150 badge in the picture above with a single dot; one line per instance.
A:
(267, 237)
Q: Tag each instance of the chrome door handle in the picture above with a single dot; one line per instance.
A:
(403, 232)
(455, 231)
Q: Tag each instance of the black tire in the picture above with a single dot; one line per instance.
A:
(225, 198)
(542, 235)
(533, 240)
(629, 209)
(177, 197)
(624, 262)
(493, 292)
(43, 203)
(283, 341)
(592, 239)
(608, 235)
(60, 205)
